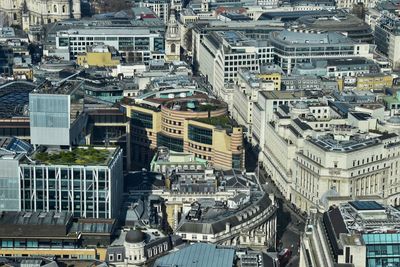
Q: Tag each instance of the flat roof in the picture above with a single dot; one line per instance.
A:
(77, 156)
(366, 205)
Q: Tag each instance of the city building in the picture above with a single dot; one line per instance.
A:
(135, 248)
(224, 53)
(248, 220)
(135, 44)
(312, 152)
(245, 96)
(32, 12)
(160, 7)
(387, 38)
(84, 181)
(196, 124)
(354, 27)
(166, 161)
(98, 56)
(300, 45)
(338, 67)
(355, 233)
(40, 234)
(56, 114)
(14, 117)
(268, 102)
(216, 256)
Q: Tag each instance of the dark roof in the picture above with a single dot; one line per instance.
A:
(35, 224)
(216, 225)
(302, 125)
(337, 222)
(366, 205)
(135, 236)
(360, 116)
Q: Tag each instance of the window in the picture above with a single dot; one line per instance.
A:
(199, 134)
(173, 48)
(175, 144)
(55, 9)
(119, 257)
(141, 119)
(111, 257)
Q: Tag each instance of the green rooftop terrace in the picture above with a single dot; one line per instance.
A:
(78, 156)
(221, 121)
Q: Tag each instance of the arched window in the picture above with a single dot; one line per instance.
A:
(173, 48)
(64, 9)
(15, 16)
(48, 20)
(55, 8)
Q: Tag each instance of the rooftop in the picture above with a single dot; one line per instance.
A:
(309, 37)
(199, 255)
(76, 156)
(14, 99)
(215, 215)
(62, 88)
(223, 121)
(356, 142)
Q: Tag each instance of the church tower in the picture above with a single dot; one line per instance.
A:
(172, 39)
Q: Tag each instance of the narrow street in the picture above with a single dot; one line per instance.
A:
(290, 224)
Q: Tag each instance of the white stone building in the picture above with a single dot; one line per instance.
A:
(224, 53)
(36, 12)
(312, 153)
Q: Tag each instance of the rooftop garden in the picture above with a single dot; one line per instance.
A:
(223, 121)
(79, 156)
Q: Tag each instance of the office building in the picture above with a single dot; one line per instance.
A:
(84, 181)
(136, 44)
(40, 234)
(314, 151)
(354, 27)
(268, 102)
(224, 53)
(387, 38)
(160, 7)
(56, 114)
(355, 233)
(195, 124)
(244, 97)
(296, 45)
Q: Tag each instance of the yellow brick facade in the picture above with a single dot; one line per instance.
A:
(275, 77)
(97, 59)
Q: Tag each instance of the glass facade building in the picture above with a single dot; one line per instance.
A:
(86, 191)
(383, 249)
(9, 185)
(49, 119)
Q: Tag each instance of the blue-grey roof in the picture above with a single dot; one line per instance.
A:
(311, 38)
(198, 255)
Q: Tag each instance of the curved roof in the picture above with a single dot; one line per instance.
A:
(394, 120)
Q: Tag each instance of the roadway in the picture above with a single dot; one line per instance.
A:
(290, 224)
